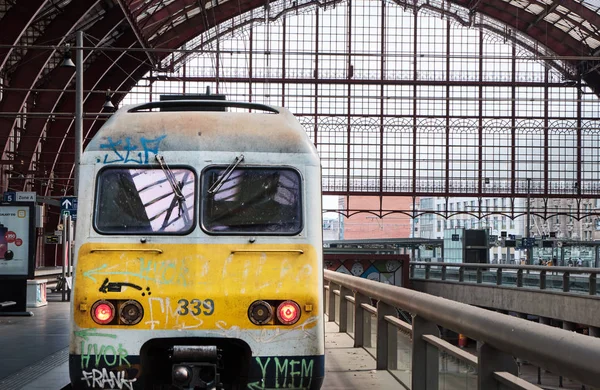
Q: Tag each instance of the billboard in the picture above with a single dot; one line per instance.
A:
(17, 239)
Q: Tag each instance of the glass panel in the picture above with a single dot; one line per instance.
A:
(403, 372)
(372, 346)
(531, 279)
(337, 309)
(350, 317)
(145, 201)
(419, 272)
(452, 273)
(251, 200)
(455, 374)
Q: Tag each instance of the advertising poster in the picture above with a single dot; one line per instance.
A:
(15, 230)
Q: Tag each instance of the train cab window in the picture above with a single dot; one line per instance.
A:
(145, 201)
(251, 201)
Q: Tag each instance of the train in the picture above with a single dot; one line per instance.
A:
(198, 251)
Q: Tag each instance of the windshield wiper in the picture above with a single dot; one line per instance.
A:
(176, 188)
(220, 181)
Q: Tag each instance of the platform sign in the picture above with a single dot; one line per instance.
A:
(26, 197)
(455, 237)
(528, 242)
(53, 239)
(17, 224)
(10, 196)
(68, 205)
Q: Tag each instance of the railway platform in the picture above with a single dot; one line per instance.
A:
(34, 354)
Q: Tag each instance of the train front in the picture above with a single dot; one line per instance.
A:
(197, 275)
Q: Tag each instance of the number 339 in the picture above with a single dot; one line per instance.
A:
(196, 307)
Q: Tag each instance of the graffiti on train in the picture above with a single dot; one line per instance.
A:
(127, 151)
(284, 373)
(165, 272)
(100, 378)
(100, 354)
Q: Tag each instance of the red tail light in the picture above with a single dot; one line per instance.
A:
(103, 312)
(288, 312)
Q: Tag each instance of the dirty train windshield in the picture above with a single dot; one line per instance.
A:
(155, 201)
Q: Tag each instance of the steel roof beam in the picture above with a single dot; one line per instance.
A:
(59, 77)
(183, 32)
(138, 33)
(542, 15)
(32, 65)
(15, 22)
(164, 14)
(544, 32)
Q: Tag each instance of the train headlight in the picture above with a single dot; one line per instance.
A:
(131, 312)
(288, 312)
(103, 312)
(260, 312)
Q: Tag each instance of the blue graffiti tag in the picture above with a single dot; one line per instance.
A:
(127, 153)
(146, 143)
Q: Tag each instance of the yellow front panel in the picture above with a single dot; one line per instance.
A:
(195, 286)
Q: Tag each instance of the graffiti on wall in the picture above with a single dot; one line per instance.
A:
(385, 271)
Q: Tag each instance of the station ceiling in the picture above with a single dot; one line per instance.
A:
(124, 39)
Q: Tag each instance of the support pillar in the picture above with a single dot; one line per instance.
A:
(359, 322)
(331, 308)
(545, 320)
(594, 331)
(491, 360)
(344, 309)
(425, 357)
(387, 342)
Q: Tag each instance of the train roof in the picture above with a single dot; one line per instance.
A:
(207, 128)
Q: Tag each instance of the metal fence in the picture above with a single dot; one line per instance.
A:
(565, 279)
(420, 359)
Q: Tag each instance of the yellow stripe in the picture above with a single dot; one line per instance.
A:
(164, 278)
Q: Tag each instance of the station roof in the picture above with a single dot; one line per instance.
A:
(34, 35)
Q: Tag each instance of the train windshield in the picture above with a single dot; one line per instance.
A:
(145, 201)
(251, 201)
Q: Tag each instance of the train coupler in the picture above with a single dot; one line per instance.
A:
(195, 367)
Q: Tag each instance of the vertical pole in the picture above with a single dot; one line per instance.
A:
(78, 107)
(529, 247)
(71, 241)
(65, 255)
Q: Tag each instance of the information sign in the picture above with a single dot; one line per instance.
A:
(25, 197)
(527, 242)
(68, 205)
(53, 239)
(10, 196)
(17, 223)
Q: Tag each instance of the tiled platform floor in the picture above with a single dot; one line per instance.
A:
(32, 346)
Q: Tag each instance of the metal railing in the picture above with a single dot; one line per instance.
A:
(565, 279)
(501, 338)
